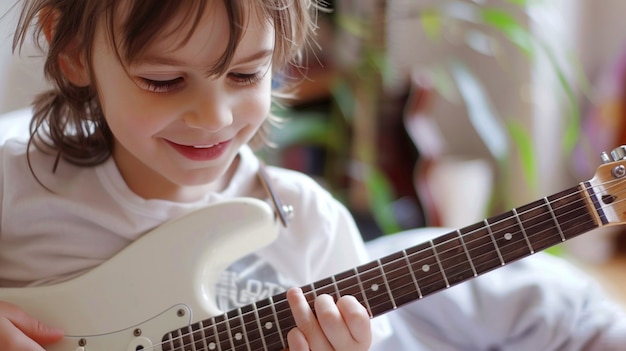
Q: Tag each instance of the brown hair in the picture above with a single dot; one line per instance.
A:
(68, 118)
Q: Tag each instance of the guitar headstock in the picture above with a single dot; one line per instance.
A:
(609, 185)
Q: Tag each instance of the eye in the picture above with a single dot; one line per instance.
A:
(245, 78)
(161, 86)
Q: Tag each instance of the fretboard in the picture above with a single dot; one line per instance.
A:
(405, 276)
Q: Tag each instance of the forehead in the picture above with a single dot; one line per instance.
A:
(168, 26)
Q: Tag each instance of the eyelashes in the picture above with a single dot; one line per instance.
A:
(173, 85)
(162, 86)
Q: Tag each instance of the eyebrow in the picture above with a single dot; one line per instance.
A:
(169, 61)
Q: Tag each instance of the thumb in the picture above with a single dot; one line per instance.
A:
(31, 327)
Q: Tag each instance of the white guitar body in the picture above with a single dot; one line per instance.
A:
(162, 282)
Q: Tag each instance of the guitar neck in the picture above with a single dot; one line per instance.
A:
(408, 275)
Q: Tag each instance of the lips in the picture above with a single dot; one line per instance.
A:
(201, 152)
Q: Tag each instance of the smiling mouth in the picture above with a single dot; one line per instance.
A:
(201, 152)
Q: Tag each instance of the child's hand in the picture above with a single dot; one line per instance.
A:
(344, 325)
(21, 332)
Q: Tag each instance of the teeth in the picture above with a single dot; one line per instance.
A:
(203, 146)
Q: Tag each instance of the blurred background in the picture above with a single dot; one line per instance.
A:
(422, 113)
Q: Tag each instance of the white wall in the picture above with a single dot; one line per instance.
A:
(20, 74)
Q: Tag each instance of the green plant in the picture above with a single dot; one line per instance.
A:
(485, 26)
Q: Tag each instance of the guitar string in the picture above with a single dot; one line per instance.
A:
(437, 271)
(312, 292)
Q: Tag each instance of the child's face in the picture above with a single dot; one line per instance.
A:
(176, 130)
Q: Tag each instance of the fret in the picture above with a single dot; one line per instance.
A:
(375, 288)
(327, 286)
(391, 298)
(167, 341)
(453, 258)
(222, 332)
(570, 209)
(539, 225)
(519, 222)
(270, 326)
(443, 273)
(204, 337)
(556, 221)
(312, 290)
(237, 333)
(216, 341)
(334, 282)
(284, 315)
(408, 263)
(195, 336)
(508, 237)
(349, 284)
(424, 266)
(176, 340)
(365, 299)
(400, 280)
(261, 335)
(481, 248)
(469, 259)
(495, 243)
(250, 326)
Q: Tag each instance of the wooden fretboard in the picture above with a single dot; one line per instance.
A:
(408, 275)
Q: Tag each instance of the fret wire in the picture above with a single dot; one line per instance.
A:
(280, 333)
(382, 271)
(495, 243)
(332, 277)
(258, 322)
(204, 337)
(312, 286)
(556, 221)
(171, 342)
(218, 342)
(521, 225)
(229, 332)
(469, 258)
(443, 273)
(243, 328)
(192, 338)
(365, 300)
(406, 258)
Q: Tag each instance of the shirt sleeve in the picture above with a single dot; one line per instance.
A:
(539, 303)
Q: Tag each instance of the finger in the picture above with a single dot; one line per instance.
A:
(306, 321)
(356, 318)
(346, 323)
(14, 339)
(297, 340)
(31, 327)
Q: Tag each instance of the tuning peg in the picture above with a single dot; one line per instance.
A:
(619, 153)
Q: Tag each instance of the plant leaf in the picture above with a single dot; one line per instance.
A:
(480, 112)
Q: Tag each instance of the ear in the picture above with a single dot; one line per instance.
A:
(70, 60)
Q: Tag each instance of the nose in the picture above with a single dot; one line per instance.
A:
(210, 111)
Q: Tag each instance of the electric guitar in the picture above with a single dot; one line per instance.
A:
(156, 295)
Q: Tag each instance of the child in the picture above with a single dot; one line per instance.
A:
(151, 113)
